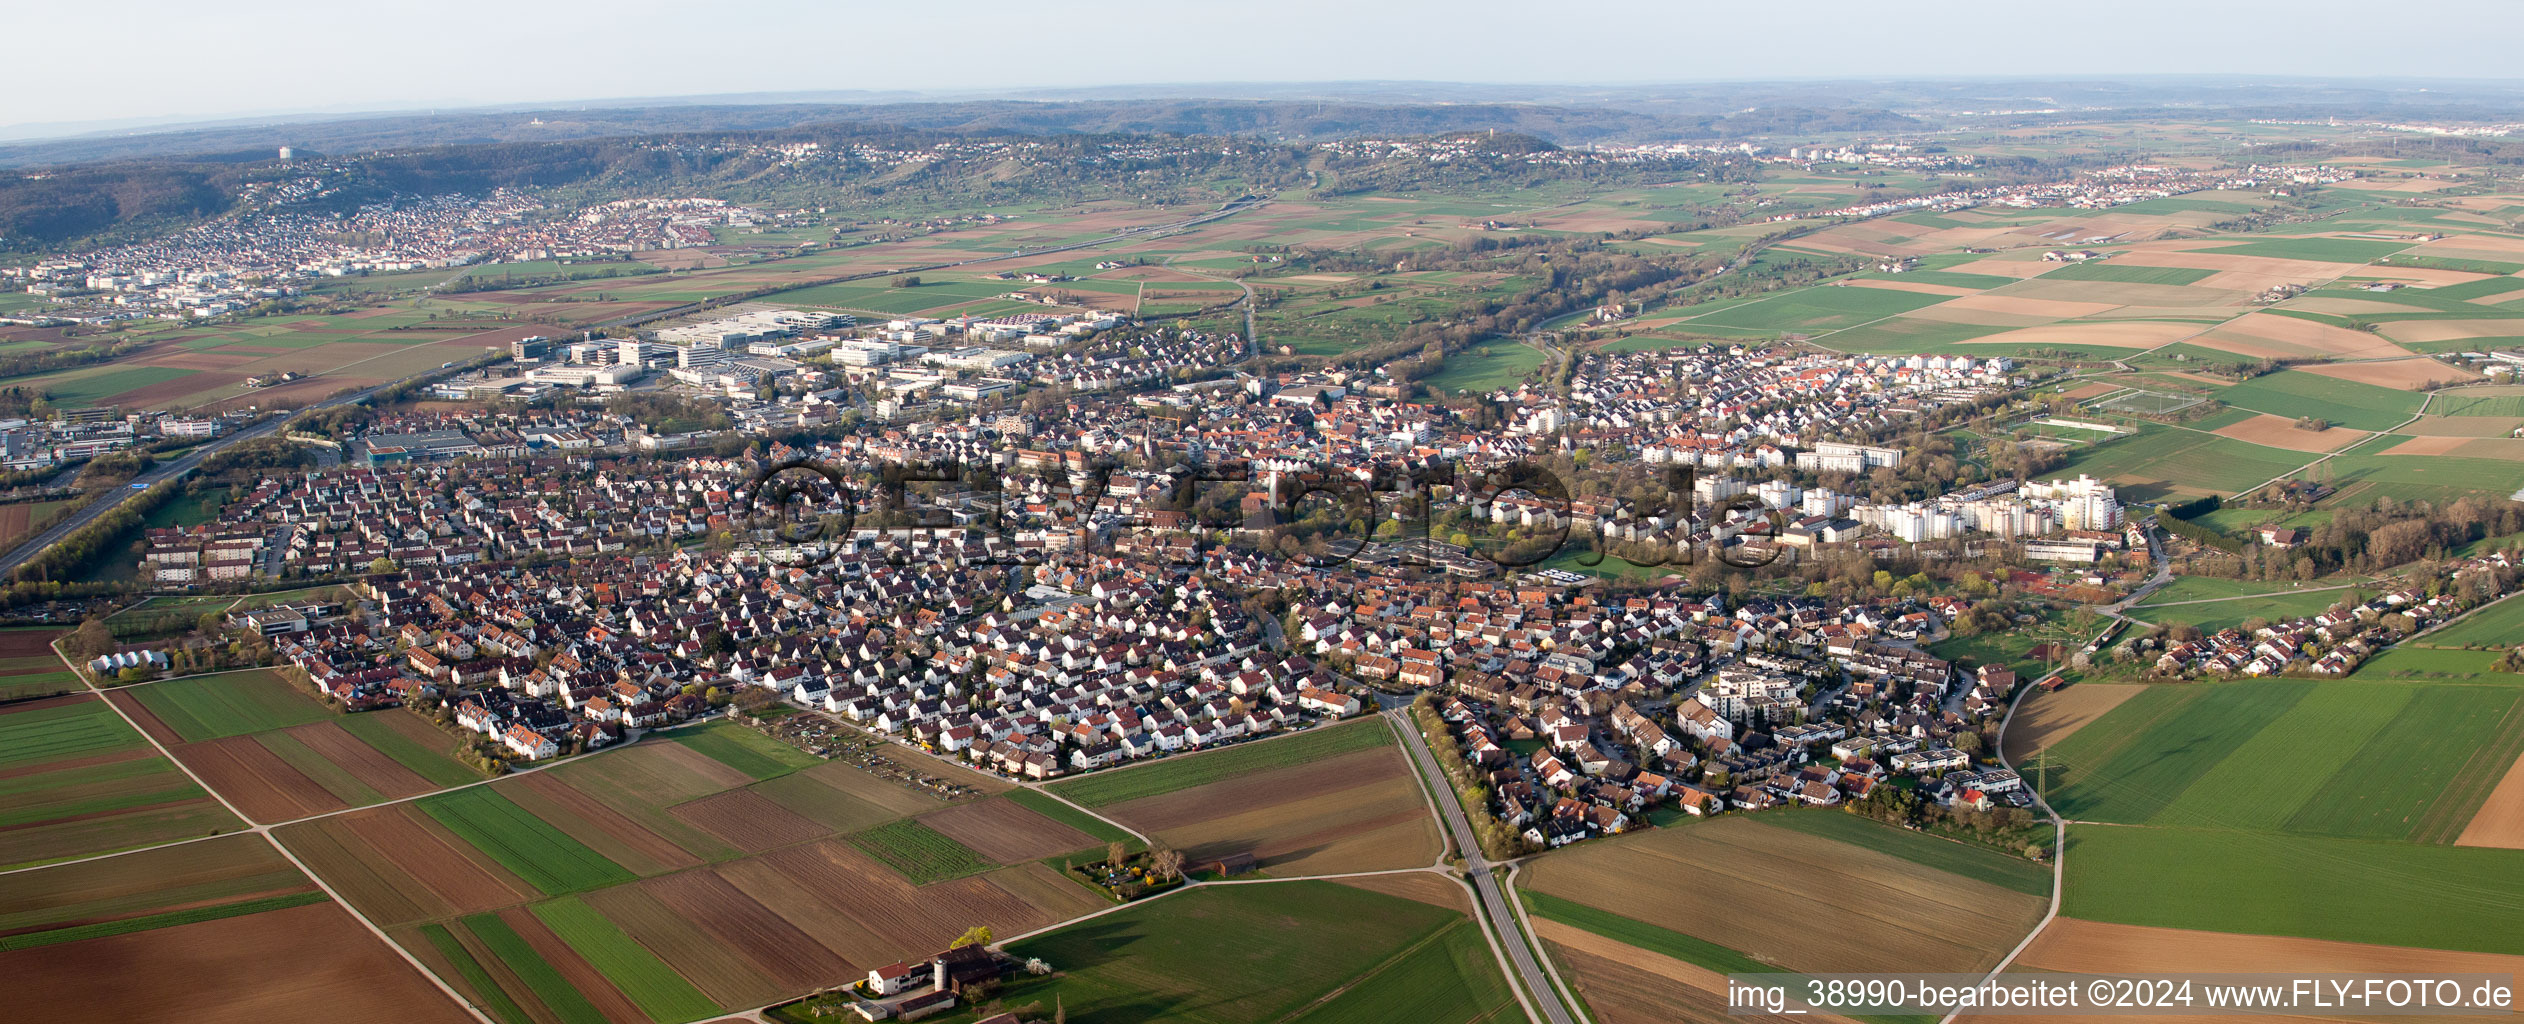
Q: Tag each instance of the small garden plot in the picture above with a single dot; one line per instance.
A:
(918, 852)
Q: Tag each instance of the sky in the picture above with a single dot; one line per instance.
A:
(159, 60)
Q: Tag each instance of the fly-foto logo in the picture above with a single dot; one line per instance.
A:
(806, 509)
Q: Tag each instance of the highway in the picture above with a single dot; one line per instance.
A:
(1494, 905)
(97, 507)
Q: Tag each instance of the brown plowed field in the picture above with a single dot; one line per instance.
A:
(366, 763)
(2092, 947)
(262, 785)
(1623, 983)
(575, 969)
(1259, 789)
(886, 793)
(2507, 448)
(749, 822)
(2048, 716)
(1423, 886)
(301, 964)
(813, 913)
(603, 829)
(785, 954)
(2281, 432)
(2449, 330)
(209, 873)
(2500, 820)
(398, 866)
(721, 973)
(1356, 812)
(26, 643)
(917, 920)
(2270, 336)
(1798, 901)
(40, 767)
(1005, 833)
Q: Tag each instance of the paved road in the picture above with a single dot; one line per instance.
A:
(1494, 906)
(97, 507)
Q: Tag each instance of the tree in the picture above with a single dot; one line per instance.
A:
(93, 639)
(977, 935)
(1114, 853)
(1168, 863)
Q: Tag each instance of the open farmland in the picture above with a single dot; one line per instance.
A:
(228, 704)
(2345, 890)
(75, 780)
(29, 668)
(347, 761)
(2160, 461)
(1359, 811)
(228, 969)
(156, 888)
(544, 856)
(1184, 772)
(1249, 954)
(2348, 403)
(921, 853)
(1796, 901)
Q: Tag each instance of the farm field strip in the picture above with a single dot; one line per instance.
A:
(1185, 772)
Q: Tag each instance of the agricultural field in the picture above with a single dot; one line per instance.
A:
(2498, 625)
(2251, 797)
(1856, 908)
(754, 871)
(75, 780)
(1342, 809)
(1177, 773)
(29, 668)
(278, 754)
(205, 366)
(2297, 393)
(224, 968)
(2173, 462)
(1308, 952)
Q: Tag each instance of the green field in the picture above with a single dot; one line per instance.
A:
(745, 749)
(1176, 773)
(2346, 403)
(1040, 803)
(2479, 402)
(2349, 890)
(2319, 250)
(2498, 625)
(543, 856)
(61, 732)
(1507, 363)
(647, 980)
(1820, 308)
(2225, 614)
(88, 387)
(2127, 274)
(1249, 954)
(2342, 758)
(918, 852)
(2160, 461)
(494, 999)
(2363, 477)
(1920, 848)
(230, 704)
(2425, 664)
(435, 766)
(1653, 938)
(539, 976)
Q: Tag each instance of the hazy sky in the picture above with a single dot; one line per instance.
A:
(89, 62)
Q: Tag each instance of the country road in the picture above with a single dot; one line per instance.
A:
(1494, 905)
